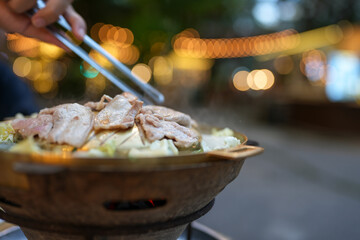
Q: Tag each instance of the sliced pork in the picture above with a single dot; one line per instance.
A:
(119, 113)
(97, 106)
(39, 126)
(130, 97)
(155, 128)
(168, 114)
(67, 123)
(72, 124)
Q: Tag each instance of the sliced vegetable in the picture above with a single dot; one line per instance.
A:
(7, 133)
(158, 148)
(222, 133)
(26, 146)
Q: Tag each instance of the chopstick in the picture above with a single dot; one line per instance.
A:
(150, 94)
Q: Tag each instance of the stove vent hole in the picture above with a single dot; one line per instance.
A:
(134, 205)
(9, 203)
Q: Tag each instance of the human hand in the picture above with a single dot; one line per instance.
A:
(14, 19)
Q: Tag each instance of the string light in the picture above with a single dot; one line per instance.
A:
(190, 45)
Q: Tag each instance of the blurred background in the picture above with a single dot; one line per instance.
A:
(284, 72)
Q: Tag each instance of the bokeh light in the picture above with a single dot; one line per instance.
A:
(163, 70)
(22, 66)
(36, 70)
(186, 45)
(270, 79)
(94, 31)
(38, 62)
(88, 71)
(260, 79)
(313, 66)
(103, 32)
(50, 50)
(267, 13)
(100, 59)
(240, 80)
(44, 85)
(118, 42)
(342, 77)
(25, 46)
(250, 80)
(142, 71)
(120, 36)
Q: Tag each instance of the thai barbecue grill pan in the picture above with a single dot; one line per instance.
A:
(56, 197)
(111, 192)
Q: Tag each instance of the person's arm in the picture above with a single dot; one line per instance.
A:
(14, 20)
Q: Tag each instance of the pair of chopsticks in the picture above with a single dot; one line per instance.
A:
(150, 94)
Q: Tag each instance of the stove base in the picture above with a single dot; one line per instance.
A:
(170, 230)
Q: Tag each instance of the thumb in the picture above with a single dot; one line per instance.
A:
(19, 23)
(77, 23)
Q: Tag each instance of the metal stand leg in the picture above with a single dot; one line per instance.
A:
(189, 232)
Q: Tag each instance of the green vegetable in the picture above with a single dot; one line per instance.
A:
(7, 133)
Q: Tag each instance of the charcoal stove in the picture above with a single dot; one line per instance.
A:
(59, 231)
(55, 198)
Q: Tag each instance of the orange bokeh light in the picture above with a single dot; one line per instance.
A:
(190, 45)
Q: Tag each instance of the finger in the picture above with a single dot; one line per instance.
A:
(44, 35)
(77, 23)
(11, 21)
(19, 23)
(21, 6)
(50, 13)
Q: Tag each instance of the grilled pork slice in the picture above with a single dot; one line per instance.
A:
(154, 127)
(119, 113)
(72, 124)
(98, 106)
(130, 97)
(105, 99)
(67, 123)
(168, 114)
(39, 126)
